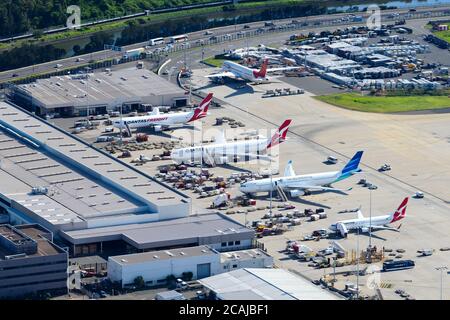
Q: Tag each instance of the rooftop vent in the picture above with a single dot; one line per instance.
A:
(39, 190)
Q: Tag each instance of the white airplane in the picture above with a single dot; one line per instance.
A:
(159, 120)
(232, 69)
(222, 152)
(299, 185)
(367, 224)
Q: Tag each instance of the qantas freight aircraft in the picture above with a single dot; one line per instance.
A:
(222, 152)
(367, 224)
(234, 70)
(159, 120)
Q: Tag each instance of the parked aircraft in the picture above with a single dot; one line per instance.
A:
(232, 69)
(299, 185)
(221, 151)
(159, 121)
(371, 224)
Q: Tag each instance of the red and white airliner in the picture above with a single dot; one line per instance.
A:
(158, 120)
(234, 70)
(222, 152)
(367, 224)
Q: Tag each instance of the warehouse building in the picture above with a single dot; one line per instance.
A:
(98, 93)
(93, 203)
(59, 181)
(197, 262)
(264, 284)
(30, 262)
(324, 61)
(377, 73)
(214, 229)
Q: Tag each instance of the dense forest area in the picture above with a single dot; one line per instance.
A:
(20, 16)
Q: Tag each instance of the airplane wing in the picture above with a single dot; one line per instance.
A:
(385, 228)
(220, 75)
(252, 156)
(320, 188)
(360, 215)
(220, 138)
(244, 156)
(282, 69)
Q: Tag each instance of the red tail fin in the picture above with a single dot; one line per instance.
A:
(262, 72)
(400, 213)
(202, 110)
(280, 135)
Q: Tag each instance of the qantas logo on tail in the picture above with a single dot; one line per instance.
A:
(202, 110)
(262, 72)
(401, 211)
(280, 135)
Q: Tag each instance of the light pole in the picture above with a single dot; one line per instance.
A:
(121, 124)
(441, 269)
(357, 264)
(370, 219)
(271, 190)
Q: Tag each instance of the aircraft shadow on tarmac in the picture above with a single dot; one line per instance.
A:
(165, 134)
(296, 200)
(232, 167)
(239, 87)
(240, 90)
(337, 236)
(309, 203)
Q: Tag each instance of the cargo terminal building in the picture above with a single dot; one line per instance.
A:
(92, 202)
(98, 93)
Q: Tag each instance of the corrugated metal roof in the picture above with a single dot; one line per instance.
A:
(127, 85)
(264, 284)
(83, 183)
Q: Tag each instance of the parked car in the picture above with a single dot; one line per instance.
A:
(419, 195)
(385, 167)
(327, 251)
(323, 233)
(332, 160)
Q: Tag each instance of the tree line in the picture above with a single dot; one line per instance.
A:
(141, 30)
(22, 16)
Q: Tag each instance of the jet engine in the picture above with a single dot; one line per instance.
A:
(221, 160)
(365, 229)
(158, 128)
(296, 193)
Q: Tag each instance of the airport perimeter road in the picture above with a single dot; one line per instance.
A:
(314, 22)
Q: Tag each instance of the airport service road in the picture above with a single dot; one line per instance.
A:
(194, 56)
(107, 54)
(416, 146)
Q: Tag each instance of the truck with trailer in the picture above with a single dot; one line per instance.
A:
(134, 53)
